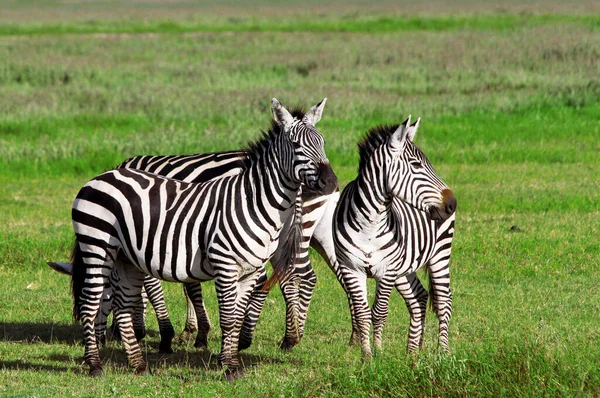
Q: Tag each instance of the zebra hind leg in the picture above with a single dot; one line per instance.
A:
(127, 287)
(153, 290)
(91, 269)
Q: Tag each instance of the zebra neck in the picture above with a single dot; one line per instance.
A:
(370, 207)
(269, 189)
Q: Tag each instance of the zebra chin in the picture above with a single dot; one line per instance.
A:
(326, 183)
(444, 210)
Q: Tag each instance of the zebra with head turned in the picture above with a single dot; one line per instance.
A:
(317, 215)
(225, 229)
(386, 227)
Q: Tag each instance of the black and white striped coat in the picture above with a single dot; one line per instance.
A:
(225, 229)
(386, 223)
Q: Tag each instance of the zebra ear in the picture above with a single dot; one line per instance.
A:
(314, 114)
(412, 130)
(281, 115)
(398, 138)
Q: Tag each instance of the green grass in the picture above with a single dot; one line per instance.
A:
(509, 98)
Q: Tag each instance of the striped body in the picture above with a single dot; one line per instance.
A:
(225, 229)
(390, 222)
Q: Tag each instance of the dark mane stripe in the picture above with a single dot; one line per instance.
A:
(255, 149)
(375, 137)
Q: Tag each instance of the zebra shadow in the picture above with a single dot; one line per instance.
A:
(182, 359)
(30, 333)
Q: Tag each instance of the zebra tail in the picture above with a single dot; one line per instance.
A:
(287, 261)
(79, 272)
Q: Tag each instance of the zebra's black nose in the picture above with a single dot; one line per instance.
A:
(449, 201)
(327, 182)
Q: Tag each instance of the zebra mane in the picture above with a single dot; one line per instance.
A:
(255, 149)
(375, 137)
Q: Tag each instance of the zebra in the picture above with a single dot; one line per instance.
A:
(226, 229)
(395, 217)
(317, 215)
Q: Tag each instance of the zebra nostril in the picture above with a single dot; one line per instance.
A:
(451, 205)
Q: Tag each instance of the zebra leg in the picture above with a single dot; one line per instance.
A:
(307, 287)
(290, 290)
(439, 280)
(255, 305)
(154, 292)
(195, 312)
(356, 283)
(127, 284)
(415, 297)
(139, 316)
(101, 318)
(193, 292)
(92, 266)
(233, 294)
(380, 311)
(441, 298)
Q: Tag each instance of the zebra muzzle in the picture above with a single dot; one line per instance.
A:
(327, 181)
(446, 208)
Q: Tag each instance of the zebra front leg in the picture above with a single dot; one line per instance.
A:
(255, 305)
(233, 294)
(155, 294)
(290, 290)
(441, 300)
(415, 297)
(307, 287)
(139, 316)
(199, 320)
(380, 308)
(356, 283)
(127, 300)
(439, 280)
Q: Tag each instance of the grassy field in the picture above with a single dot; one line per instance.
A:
(510, 100)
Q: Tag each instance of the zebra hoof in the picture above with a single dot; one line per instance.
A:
(201, 343)
(96, 372)
(287, 344)
(232, 375)
(165, 347)
(142, 370)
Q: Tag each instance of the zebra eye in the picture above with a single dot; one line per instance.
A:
(416, 164)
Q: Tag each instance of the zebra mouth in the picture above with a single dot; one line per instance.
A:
(326, 182)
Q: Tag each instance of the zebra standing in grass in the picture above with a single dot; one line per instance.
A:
(317, 215)
(386, 227)
(225, 229)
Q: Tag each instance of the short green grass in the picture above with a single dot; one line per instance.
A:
(509, 98)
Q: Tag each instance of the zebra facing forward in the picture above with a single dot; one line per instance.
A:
(225, 229)
(386, 227)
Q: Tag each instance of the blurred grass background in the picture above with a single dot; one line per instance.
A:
(509, 94)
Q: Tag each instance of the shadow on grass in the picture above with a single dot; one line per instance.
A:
(30, 333)
(113, 354)
(21, 365)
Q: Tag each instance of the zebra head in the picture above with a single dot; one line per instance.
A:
(411, 178)
(308, 164)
